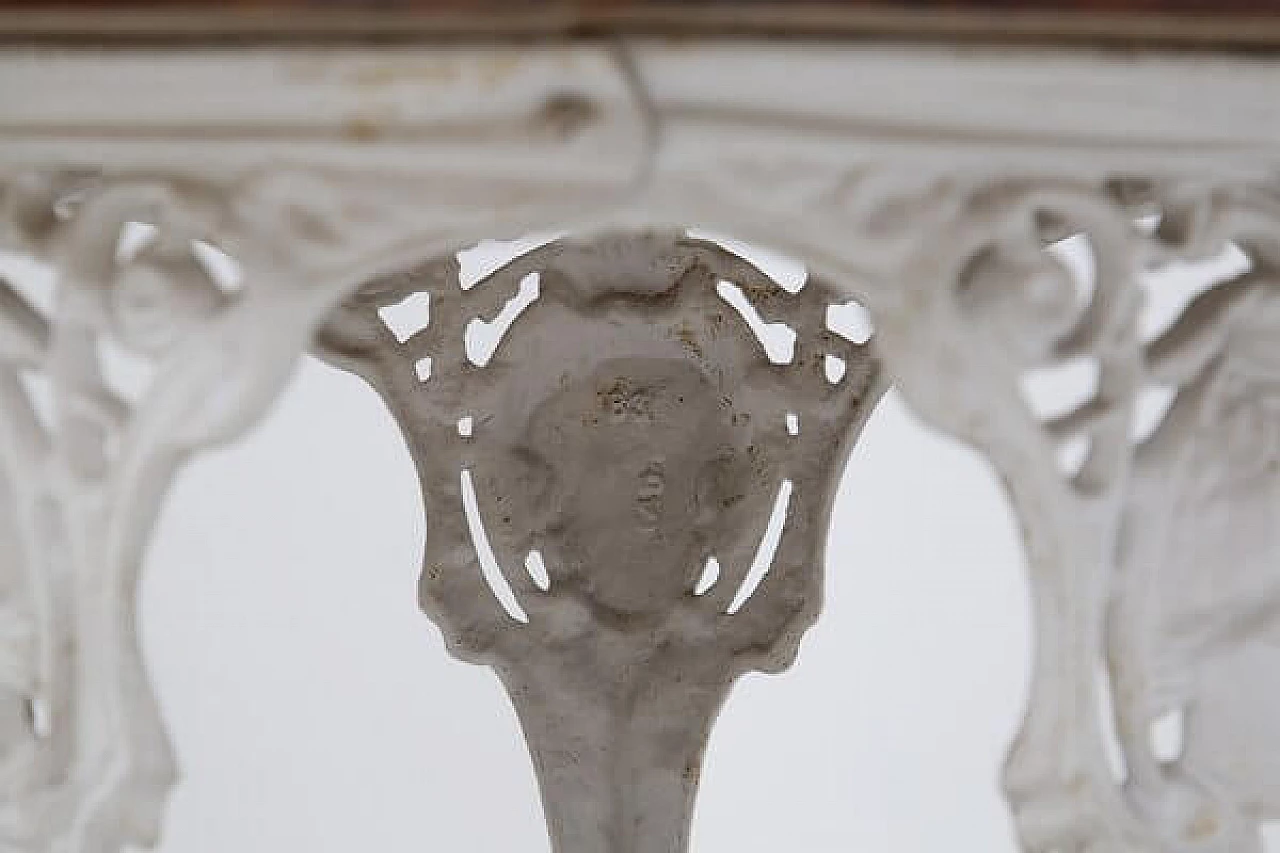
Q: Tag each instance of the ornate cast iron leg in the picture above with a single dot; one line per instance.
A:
(629, 431)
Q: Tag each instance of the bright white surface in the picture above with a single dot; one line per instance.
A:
(315, 709)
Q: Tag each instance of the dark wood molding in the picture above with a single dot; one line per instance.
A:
(1185, 24)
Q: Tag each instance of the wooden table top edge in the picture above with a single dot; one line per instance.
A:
(95, 26)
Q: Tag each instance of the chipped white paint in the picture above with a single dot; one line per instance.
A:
(926, 182)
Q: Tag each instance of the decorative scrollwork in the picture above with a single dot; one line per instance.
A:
(84, 464)
(1148, 553)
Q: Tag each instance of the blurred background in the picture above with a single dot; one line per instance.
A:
(314, 708)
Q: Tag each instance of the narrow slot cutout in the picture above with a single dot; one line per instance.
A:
(766, 551)
(221, 267)
(537, 570)
(484, 551)
(1114, 753)
(41, 719)
(834, 368)
(710, 574)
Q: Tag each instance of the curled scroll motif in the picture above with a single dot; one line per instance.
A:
(122, 367)
(626, 501)
(1149, 554)
(989, 302)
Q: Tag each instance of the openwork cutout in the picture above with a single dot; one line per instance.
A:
(635, 511)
